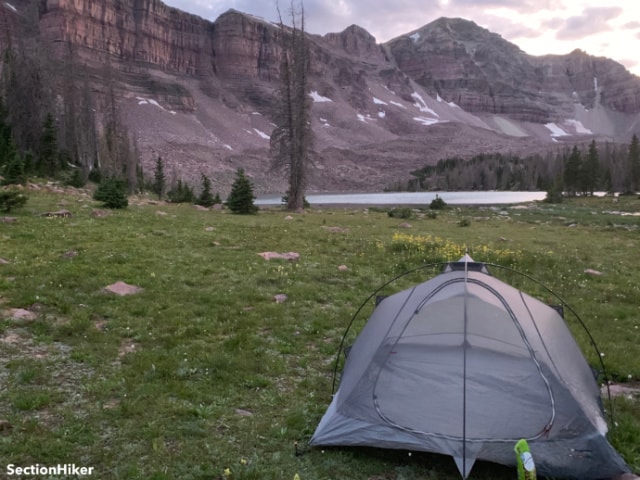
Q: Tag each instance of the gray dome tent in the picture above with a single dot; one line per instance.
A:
(466, 365)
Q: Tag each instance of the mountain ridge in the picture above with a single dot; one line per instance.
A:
(202, 94)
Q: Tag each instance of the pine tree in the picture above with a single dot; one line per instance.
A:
(572, 171)
(241, 197)
(14, 171)
(206, 198)
(159, 182)
(112, 192)
(48, 163)
(591, 170)
(181, 193)
(634, 164)
(10, 199)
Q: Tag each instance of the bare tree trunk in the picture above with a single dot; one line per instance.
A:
(291, 140)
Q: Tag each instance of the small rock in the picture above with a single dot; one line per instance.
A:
(209, 229)
(288, 217)
(22, 314)
(343, 268)
(60, 213)
(160, 213)
(4, 261)
(10, 339)
(591, 271)
(70, 254)
(218, 207)
(9, 220)
(280, 298)
(405, 225)
(126, 346)
(202, 208)
(291, 256)
(243, 413)
(122, 288)
(96, 213)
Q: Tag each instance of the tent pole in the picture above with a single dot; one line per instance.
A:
(464, 373)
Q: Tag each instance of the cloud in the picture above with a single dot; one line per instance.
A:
(631, 25)
(593, 20)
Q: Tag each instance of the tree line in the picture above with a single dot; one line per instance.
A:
(583, 169)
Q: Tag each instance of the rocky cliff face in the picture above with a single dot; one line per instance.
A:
(202, 94)
(136, 31)
(482, 72)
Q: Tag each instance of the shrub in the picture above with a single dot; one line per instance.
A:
(112, 192)
(206, 198)
(465, 222)
(10, 199)
(241, 197)
(400, 212)
(437, 203)
(181, 193)
(14, 171)
(75, 178)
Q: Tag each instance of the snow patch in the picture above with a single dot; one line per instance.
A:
(377, 101)
(426, 121)
(317, 98)
(415, 37)
(452, 105)
(256, 113)
(261, 134)
(228, 147)
(438, 97)
(595, 84)
(11, 7)
(382, 114)
(397, 104)
(422, 105)
(147, 101)
(364, 119)
(579, 127)
(556, 131)
(325, 122)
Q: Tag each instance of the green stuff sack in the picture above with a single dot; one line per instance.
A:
(526, 466)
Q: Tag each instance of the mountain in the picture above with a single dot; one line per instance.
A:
(202, 94)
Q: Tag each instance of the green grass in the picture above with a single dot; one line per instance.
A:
(203, 371)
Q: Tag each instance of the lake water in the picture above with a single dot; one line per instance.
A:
(412, 198)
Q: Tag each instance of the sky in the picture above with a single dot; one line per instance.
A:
(604, 28)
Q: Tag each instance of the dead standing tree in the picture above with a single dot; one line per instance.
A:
(292, 139)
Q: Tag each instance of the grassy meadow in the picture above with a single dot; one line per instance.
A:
(204, 375)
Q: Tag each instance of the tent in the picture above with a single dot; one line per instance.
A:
(466, 365)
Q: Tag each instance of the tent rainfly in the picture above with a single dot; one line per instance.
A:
(466, 365)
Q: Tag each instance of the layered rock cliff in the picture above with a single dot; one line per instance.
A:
(202, 94)
(484, 73)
